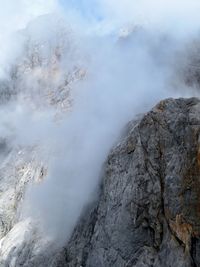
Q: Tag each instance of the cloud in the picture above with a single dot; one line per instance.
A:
(123, 79)
(125, 75)
(179, 17)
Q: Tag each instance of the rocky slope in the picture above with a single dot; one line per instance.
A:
(148, 212)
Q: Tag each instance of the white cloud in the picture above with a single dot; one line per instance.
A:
(179, 16)
(125, 77)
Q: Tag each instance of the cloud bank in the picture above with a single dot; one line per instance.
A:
(114, 63)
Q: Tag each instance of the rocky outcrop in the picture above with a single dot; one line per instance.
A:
(148, 212)
(19, 239)
(17, 170)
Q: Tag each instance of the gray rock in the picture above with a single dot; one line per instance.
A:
(148, 212)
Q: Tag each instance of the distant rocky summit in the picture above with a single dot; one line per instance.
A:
(148, 212)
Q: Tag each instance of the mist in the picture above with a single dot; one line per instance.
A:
(115, 61)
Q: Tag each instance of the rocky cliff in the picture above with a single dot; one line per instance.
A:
(148, 212)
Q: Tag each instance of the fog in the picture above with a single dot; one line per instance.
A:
(119, 60)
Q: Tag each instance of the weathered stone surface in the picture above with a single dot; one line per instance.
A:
(148, 213)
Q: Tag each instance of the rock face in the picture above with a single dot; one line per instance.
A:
(17, 170)
(148, 212)
(19, 240)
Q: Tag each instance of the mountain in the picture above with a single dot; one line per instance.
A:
(79, 185)
(147, 213)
